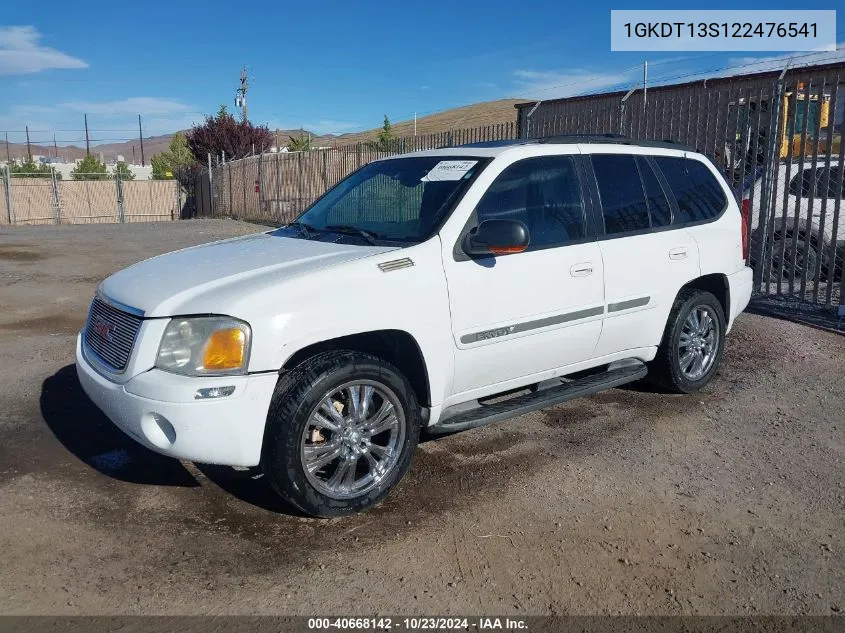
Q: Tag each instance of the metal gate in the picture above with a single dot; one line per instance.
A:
(778, 138)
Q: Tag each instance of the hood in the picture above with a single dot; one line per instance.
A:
(166, 282)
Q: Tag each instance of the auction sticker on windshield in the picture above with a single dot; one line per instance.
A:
(449, 170)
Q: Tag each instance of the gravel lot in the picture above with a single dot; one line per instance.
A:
(731, 501)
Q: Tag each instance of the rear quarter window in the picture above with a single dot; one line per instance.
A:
(697, 192)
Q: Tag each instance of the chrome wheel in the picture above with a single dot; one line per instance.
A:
(353, 439)
(698, 343)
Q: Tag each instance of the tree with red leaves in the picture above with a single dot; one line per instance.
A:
(222, 133)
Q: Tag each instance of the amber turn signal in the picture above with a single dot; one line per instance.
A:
(225, 349)
(507, 250)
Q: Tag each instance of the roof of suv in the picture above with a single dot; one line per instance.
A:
(494, 148)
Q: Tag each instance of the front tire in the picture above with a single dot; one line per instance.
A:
(341, 432)
(692, 345)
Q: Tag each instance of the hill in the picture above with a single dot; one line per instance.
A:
(475, 115)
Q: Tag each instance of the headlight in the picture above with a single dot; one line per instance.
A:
(205, 346)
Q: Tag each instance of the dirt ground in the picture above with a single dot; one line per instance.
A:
(731, 501)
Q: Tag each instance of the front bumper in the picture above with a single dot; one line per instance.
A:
(159, 410)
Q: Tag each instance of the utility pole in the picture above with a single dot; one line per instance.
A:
(141, 136)
(87, 141)
(240, 93)
(8, 156)
(28, 150)
(55, 147)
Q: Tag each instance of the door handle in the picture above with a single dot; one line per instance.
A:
(581, 270)
(678, 253)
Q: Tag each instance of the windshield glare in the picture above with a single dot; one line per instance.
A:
(400, 199)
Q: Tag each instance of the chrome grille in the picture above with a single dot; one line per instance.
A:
(110, 333)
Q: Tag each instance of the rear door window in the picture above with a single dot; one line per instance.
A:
(658, 204)
(623, 200)
(699, 195)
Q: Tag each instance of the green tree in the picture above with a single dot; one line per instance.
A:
(30, 169)
(176, 159)
(301, 143)
(89, 168)
(386, 142)
(122, 170)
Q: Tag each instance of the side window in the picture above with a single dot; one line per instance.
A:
(542, 192)
(658, 205)
(622, 198)
(829, 188)
(802, 184)
(698, 193)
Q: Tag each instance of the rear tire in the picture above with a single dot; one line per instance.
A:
(692, 345)
(341, 432)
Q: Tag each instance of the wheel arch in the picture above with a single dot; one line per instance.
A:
(397, 347)
(716, 284)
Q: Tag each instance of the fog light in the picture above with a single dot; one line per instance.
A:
(214, 392)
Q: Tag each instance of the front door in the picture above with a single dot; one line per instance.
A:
(517, 317)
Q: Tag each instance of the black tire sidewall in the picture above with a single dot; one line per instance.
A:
(282, 461)
(677, 376)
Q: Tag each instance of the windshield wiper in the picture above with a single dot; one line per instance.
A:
(354, 230)
(305, 229)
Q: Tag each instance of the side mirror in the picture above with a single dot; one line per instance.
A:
(496, 237)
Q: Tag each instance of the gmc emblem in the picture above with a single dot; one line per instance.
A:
(103, 328)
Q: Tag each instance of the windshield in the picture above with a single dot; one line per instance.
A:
(399, 199)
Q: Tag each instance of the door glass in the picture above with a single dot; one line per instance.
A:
(544, 194)
(699, 195)
(622, 197)
(658, 205)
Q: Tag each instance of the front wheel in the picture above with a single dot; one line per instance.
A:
(692, 344)
(341, 432)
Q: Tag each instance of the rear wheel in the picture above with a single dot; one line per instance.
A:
(342, 430)
(692, 344)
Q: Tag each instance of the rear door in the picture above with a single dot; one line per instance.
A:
(646, 257)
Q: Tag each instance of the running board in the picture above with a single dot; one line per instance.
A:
(461, 418)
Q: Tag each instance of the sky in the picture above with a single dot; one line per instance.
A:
(329, 67)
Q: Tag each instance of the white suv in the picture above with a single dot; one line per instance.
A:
(443, 290)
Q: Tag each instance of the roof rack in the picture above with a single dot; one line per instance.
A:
(616, 139)
(500, 143)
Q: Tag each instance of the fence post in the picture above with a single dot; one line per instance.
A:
(210, 187)
(56, 200)
(177, 212)
(260, 182)
(9, 194)
(119, 197)
(243, 185)
(231, 196)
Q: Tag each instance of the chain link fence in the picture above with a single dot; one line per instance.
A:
(90, 200)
